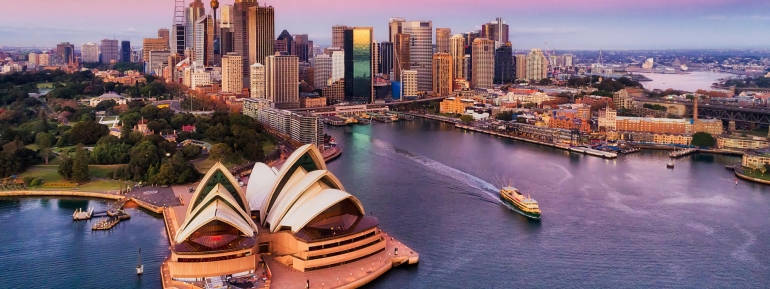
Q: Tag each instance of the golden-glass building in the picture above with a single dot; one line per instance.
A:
(442, 74)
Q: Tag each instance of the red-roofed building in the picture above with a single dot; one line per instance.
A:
(189, 128)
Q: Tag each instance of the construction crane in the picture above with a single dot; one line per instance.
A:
(551, 66)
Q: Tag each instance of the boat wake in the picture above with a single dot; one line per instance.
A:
(488, 191)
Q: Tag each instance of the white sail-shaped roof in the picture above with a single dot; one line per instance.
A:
(218, 175)
(305, 159)
(310, 184)
(218, 210)
(302, 213)
(261, 181)
(218, 196)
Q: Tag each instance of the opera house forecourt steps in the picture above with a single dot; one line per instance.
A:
(297, 224)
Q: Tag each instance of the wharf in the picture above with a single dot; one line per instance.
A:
(681, 153)
(593, 152)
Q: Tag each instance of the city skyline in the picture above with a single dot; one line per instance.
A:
(564, 25)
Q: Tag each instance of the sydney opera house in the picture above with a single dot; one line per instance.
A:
(298, 223)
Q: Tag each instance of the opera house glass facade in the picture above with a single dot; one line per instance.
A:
(358, 64)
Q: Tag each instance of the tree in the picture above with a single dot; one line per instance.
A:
(80, 165)
(87, 132)
(9, 164)
(219, 151)
(466, 118)
(191, 151)
(105, 104)
(703, 139)
(45, 141)
(65, 167)
(545, 81)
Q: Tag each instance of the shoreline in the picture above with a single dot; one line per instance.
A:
(738, 171)
(91, 195)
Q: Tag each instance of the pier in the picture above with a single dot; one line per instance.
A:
(681, 153)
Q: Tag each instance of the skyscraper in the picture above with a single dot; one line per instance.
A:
(192, 14)
(421, 51)
(125, 51)
(483, 63)
(395, 27)
(66, 52)
(165, 34)
(110, 51)
(496, 31)
(504, 64)
(204, 41)
(457, 51)
(232, 76)
(261, 33)
(442, 39)
(177, 42)
(386, 57)
(375, 57)
(322, 71)
(401, 59)
(152, 44)
(285, 43)
(282, 80)
(442, 74)
(257, 79)
(409, 83)
(338, 35)
(226, 41)
(89, 52)
(338, 65)
(359, 83)
(521, 66)
(303, 47)
(536, 65)
(243, 22)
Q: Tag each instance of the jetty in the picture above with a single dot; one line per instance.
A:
(593, 152)
(684, 152)
(79, 214)
(105, 224)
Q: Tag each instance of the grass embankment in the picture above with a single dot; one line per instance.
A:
(99, 174)
(757, 132)
(42, 85)
(756, 174)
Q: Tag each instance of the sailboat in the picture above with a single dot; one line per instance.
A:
(140, 267)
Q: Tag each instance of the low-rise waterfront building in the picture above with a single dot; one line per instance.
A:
(735, 142)
(756, 158)
(455, 105)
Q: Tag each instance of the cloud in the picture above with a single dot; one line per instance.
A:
(543, 30)
(758, 17)
(717, 17)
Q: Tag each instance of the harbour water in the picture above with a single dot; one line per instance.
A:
(622, 223)
(691, 81)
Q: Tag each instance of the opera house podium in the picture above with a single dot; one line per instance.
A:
(298, 221)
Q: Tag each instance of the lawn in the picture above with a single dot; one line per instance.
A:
(757, 132)
(757, 174)
(49, 174)
(268, 146)
(45, 85)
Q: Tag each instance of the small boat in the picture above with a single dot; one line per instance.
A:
(79, 214)
(670, 165)
(140, 267)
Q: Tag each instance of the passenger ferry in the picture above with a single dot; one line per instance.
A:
(524, 205)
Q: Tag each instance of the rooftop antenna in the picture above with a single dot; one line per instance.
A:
(179, 12)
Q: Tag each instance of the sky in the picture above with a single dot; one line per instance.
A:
(563, 24)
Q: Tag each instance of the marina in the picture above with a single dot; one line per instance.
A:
(683, 152)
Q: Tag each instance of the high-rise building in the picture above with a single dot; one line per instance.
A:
(110, 50)
(158, 59)
(226, 16)
(282, 80)
(338, 65)
(359, 82)
(409, 83)
(192, 13)
(284, 44)
(177, 42)
(483, 63)
(175, 75)
(44, 59)
(395, 27)
(537, 65)
(257, 79)
(442, 39)
(302, 47)
(261, 34)
(375, 57)
(244, 27)
(521, 66)
(89, 52)
(66, 52)
(165, 34)
(204, 41)
(232, 76)
(338, 35)
(152, 44)
(568, 60)
(496, 31)
(322, 71)
(401, 56)
(421, 51)
(386, 57)
(469, 37)
(442, 74)
(504, 64)
(33, 58)
(467, 67)
(125, 51)
(457, 51)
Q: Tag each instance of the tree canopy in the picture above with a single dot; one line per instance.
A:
(703, 139)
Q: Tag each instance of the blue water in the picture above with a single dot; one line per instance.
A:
(623, 223)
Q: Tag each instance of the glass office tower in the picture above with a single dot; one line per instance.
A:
(358, 64)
